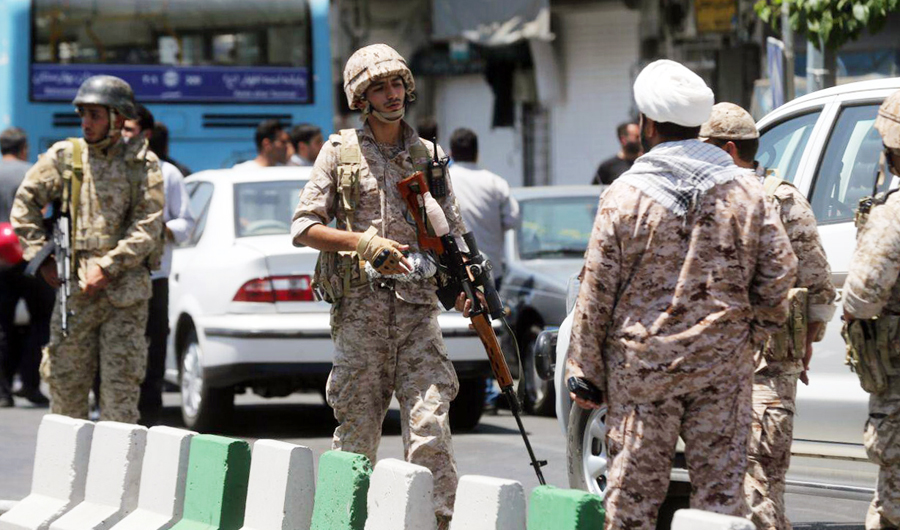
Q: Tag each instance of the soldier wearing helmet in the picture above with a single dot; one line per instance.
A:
(387, 338)
(785, 357)
(873, 292)
(112, 193)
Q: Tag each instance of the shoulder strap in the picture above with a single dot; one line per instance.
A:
(771, 184)
(75, 192)
(349, 159)
(420, 155)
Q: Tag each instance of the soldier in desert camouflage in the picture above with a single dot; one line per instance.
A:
(118, 225)
(386, 334)
(687, 268)
(785, 356)
(873, 292)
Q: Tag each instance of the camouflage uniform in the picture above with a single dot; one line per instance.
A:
(118, 223)
(777, 369)
(387, 338)
(664, 324)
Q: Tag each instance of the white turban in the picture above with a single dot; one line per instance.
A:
(666, 91)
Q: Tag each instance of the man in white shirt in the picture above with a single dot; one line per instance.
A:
(487, 208)
(307, 141)
(272, 144)
(179, 224)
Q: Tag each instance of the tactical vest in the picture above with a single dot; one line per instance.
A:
(73, 177)
(339, 272)
(873, 345)
(789, 343)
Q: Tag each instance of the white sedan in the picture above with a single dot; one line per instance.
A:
(242, 312)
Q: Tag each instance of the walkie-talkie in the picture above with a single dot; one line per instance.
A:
(437, 174)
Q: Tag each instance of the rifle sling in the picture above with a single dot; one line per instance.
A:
(75, 195)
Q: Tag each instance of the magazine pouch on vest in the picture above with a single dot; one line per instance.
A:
(790, 342)
(873, 350)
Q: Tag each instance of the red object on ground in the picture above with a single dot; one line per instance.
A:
(10, 248)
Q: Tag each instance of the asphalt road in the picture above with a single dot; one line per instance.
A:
(494, 448)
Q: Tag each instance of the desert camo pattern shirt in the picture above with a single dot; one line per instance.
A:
(119, 219)
(671, 304)
(813, 273)
(380, 203)
(872, 288)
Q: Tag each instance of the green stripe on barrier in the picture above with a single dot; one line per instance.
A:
(558, 509)
(216, 491)
(341, 491)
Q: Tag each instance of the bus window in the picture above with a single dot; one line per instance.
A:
(209, 51)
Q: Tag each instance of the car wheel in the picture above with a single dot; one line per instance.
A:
(586, 451)
(588, 462)
(203, 409)
(466, 409)
(536, 394)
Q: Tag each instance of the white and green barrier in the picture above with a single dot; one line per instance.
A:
(125, 477)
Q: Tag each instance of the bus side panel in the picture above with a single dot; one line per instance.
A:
(15, 39)
(323, 90)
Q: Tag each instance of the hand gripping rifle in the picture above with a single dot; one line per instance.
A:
(466, 272)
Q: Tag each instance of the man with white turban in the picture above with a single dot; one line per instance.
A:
(687, 268)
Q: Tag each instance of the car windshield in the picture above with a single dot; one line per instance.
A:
(265, 208)
(556, 227)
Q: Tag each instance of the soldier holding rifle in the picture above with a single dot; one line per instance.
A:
(109, 195)
(387, 340)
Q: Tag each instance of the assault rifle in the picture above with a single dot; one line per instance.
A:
(60, 248)
(469, 273)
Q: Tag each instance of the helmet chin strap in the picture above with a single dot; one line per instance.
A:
(384, 117)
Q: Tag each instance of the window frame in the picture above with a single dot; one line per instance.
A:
(200, 224)
(820, 109)
(832, 126)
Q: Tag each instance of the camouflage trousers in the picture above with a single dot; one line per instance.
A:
(882, 440)
(769, 453)
(100, 336)
(714, 424)
(386, 346)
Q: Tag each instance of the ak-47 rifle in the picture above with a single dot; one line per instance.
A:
(465, 272)
(60, 248)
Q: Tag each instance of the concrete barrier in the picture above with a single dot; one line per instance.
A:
(700, 520)
(557, 509)
(400, 497)
(60, 471)
(282, 487)
(341, 491)
(217, 478)
(487, 503)
(163, 480)
(113, 482)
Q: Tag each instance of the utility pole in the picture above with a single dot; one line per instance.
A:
(787, 36)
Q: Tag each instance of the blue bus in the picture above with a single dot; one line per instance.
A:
(211, 70)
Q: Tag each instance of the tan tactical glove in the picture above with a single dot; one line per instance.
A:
(383, 254)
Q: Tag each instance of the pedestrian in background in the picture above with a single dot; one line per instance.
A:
(872, 311)
(179, 223)
(272, 143)
(386, 334)
(22, 354)
(687, 268)
(307, 141)
(117, 230)
(785, 356)
(159, 144)
(427, 128)
(630, 141)
(484, 199)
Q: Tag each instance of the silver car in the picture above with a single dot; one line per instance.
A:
(826, 145)
(540, 257)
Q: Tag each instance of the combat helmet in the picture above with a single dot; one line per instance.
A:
(888, 121)
(108, 91)
(729, 122)
(370, 63)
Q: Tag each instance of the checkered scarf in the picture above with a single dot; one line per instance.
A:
(678, 174)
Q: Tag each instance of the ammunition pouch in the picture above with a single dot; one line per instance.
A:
(873, 350)
(336, 274)
(790, 342)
